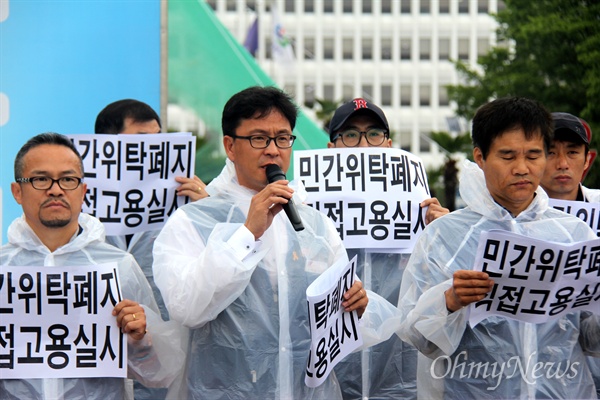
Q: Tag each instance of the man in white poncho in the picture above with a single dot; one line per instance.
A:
(511, 137)
(387, 370)
(232, 268)
(134, 117)
(54, 232)
(568, 159)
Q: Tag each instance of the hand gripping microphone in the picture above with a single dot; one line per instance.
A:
(274, 173)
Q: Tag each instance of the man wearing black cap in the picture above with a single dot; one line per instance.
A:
(360, 123)
(356, 119)
(568, 158)
(390, 371)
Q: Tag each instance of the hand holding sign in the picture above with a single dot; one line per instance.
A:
(356, 299)
(467, 287)
(131, 318)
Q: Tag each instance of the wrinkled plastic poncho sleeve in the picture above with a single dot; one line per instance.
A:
(155, 360)
(188, 274)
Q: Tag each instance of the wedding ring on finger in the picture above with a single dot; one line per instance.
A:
(134, 317)
(199, 190)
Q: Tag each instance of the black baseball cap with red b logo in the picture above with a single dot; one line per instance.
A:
(347, 110)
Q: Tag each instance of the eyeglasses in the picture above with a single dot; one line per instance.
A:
(263, 141)
(351, 137)
(45, 183)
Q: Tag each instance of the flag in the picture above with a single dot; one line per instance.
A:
(281, 43)
(251, 42)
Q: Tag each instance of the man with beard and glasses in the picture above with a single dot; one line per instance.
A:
(52, 232)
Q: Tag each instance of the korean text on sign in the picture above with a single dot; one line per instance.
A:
(535, 280)
(587, 212)
(334, 333)
(57, 323)
(371, 194)
(131, 178)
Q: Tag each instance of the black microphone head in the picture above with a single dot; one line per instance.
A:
(274, 173)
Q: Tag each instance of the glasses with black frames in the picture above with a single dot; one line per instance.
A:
(351, 137)
(45, 183)
(263, 141)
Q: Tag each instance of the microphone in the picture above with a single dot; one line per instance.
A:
(274, 173)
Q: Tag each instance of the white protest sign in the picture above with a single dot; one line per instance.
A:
(587, 212)
(371, 194)
(57, 322)
(334, 333)
(534, 280)
(131, 178)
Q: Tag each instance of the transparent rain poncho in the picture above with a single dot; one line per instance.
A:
(87, 248)
(247, 312)
(453, 356)
(386, 370)
(140, 247)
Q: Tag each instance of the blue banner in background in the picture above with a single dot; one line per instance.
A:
(62, 62)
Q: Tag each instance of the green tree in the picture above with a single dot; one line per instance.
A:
(549, 50)
(210, 158)
(326, 111)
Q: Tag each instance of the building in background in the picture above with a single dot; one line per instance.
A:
(394, 52)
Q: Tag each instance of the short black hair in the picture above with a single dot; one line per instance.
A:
(509, 113)
(112, 118)
(41, 139)
(256, 102)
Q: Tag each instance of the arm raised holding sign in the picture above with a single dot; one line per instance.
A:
(434, 210)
